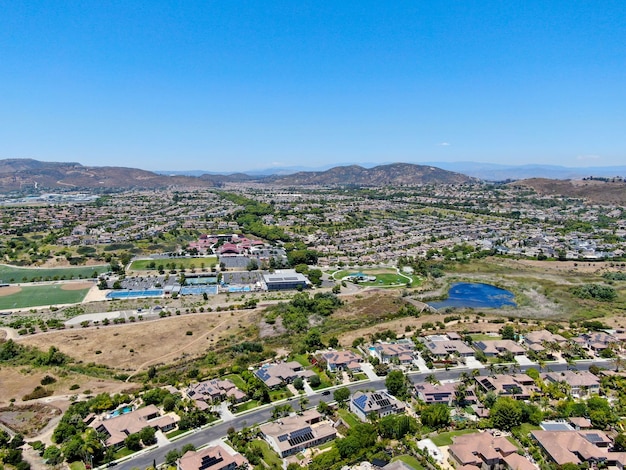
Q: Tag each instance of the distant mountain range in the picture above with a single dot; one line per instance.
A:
(28, 174)
(483, 171)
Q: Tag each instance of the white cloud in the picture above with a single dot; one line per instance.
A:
(588, 157)
(444, 144)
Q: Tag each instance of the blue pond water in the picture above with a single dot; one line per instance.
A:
(473, 295)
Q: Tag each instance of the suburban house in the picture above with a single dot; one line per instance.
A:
(117, 429)
(536, 340)
(292, 434)
(379, 403)
(519, 386)
(342, 360)
(277, 375)
(211, 458)
(443, 349)
(575, 446)
(597, 341)
(502, 346)
(483, 450)
(208, 391)
(439, 393)
(582, 383)
(393, 352)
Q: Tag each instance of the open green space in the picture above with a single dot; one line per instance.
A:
(445, 438)
(384, 277)
(180, 263)
(16, 274)
(270, 457)
(485, 337)
(37, 296)
(349, 418)
(247, 405)
(237, 380)
(409, 460)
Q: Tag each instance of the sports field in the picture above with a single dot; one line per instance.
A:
(384, 277)
(187, 263)
(13, 274)
(14, 297)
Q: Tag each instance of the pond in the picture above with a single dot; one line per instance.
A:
(475, 295)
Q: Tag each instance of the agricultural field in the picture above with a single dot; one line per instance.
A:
(179, 263)
(15, 274)
(16, 297)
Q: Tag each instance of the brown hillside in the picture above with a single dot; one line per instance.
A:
(602, 192)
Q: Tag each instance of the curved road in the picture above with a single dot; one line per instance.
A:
(144, 459)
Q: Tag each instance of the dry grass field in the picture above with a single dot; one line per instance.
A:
(18, 381)
(136, 346)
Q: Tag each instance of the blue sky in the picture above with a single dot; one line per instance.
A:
(239, 85)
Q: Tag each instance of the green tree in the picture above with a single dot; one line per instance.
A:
(396, 384)
(508, 332)
(53, 455)
(148, 436)
(133, 441)
(506, 413)
(341, 396)
(435, 416)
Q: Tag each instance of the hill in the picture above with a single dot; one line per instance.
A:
(393, 174)
(25, 174)
(599, 191)
(20, 174)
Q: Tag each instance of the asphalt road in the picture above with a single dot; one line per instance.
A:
(144, 459)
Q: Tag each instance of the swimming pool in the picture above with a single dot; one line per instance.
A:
(198, 290)
(133, 294)
(120, 411)
(239, 289)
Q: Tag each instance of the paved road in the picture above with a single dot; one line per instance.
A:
(143, 460)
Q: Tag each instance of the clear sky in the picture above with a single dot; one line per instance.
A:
(235, 85)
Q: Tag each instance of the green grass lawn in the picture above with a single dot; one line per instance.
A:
(302, 359)
(349, 418)
(36, 296)
(269, 456)
(123, 452)
(484, 337)
(14, 274)
(409, 460)
(175, 433)
(245, 406)
(237, 380)
(445, 438)
(526, 428)
(360, 376)
(77, 465)
(187, 263)
(280, 394)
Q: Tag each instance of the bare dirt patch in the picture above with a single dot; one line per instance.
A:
(28, 419)
(76, 285)
(134, 346)
(19, 380)
(9, 290)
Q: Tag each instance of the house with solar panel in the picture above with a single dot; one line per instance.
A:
(212, 458)
(293, 434)
(382, 404)
(277, 375)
